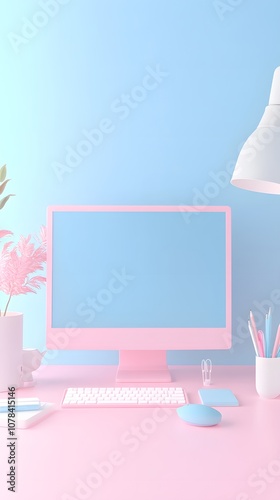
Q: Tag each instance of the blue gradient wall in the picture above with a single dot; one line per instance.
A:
(71, 66)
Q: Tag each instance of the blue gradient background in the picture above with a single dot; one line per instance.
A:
(66, 78)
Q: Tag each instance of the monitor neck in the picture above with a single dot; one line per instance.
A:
(143, 366)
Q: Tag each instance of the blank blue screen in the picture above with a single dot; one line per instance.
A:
(139, 269)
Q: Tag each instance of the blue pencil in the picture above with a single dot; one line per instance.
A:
(268, 335)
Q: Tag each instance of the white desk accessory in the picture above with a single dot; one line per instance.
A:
(206, 370)
(24, 419)
(31, 360)
(93, 397)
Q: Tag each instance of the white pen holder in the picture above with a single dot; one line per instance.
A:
(268, 377)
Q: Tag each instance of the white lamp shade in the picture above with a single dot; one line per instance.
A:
(258, 164)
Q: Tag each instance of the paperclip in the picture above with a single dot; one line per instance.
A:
(206, 369)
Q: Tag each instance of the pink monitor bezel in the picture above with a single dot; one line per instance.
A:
(75, 338)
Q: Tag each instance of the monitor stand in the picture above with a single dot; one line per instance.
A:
(143, 366)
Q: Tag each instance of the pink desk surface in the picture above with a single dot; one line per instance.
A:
(145, 454)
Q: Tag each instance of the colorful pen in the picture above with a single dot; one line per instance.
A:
(253, 338)
(254, 332)
(261, 343)
(276, 344)
(268, 334)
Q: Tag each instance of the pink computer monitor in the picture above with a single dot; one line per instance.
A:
(141, 280)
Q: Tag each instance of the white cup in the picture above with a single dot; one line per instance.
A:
(10, 350)
(268, 377)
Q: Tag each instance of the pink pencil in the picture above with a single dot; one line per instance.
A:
(276, 343)
(261, 343)
(254, 328)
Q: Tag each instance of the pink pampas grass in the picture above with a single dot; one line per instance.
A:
(19, 264)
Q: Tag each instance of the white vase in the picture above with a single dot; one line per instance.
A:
(268, 377)
(10, 350)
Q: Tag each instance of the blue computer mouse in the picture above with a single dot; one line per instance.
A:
(199, 415)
